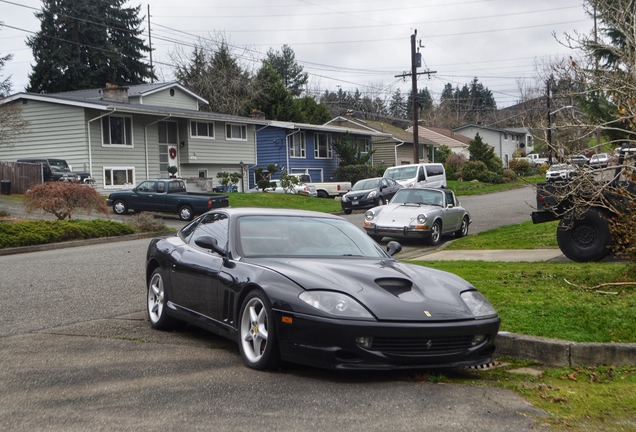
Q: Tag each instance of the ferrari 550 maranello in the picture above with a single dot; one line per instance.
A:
(312, 288)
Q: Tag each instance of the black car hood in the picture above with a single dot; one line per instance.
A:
(359, 192)
(391, 290)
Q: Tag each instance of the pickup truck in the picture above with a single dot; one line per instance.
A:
(325, 189)
(535, 160)
(583, 210)
(168, 196)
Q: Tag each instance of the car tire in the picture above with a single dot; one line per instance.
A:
(347, 211)
(435, 236)
(120, 207)
(381, 201)
(463, 229)
(186, 213)
(323, 194)
(157, 301)
(585, 239)
(257, 333)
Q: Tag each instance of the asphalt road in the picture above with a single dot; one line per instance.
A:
(77, 353)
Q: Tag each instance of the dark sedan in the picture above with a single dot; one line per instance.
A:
(369, 193)
(312, 288)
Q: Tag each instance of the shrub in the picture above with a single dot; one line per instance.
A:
(520, 166)
(28, 233)
(509, 175)
(450, 173)
(472, 169)
(490, 177)
(145, 222)
(456, 161)
(61, 199)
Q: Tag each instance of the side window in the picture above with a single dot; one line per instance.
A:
(450, 200)
(147, 186)
(161, 188)
(421, 176)
(213, 225)
(434, 170)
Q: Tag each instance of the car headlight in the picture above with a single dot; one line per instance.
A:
(421, 219)
(369, 215)
(477, 303)
(344, 198)
(335, 303)
(372, 194)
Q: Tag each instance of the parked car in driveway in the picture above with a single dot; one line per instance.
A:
(424, 213)
(369, 193)
(301, 188)
(312, 288)
(578, 159)
(559, 172)
(601, 160)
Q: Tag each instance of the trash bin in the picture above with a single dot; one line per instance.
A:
(5, 187)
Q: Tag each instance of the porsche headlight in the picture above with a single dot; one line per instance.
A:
(421, 219)
(369, 215)
(334, 303)
(477, 303)
(372, 194)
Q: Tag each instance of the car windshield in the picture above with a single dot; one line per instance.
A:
(268, 236)
(559, 167)
(401, 173)
(418, 196)
(366, 184)
(58, 163)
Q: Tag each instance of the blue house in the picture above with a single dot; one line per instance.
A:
(302, 148)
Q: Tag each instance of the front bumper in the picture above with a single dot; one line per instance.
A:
(331, 343)
(363, 204)
(398, 232)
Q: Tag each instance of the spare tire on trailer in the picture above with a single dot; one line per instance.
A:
(587, 238)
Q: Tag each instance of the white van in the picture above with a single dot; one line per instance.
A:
(418, 175)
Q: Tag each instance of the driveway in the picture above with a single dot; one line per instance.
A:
(78, 354)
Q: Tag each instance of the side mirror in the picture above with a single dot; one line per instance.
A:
(393, 247)
(208, 242)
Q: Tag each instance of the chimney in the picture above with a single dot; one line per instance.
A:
(112, 92)
(259, 115)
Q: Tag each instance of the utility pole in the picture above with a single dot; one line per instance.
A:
(549, 134)
(414, 96)
(152, 80)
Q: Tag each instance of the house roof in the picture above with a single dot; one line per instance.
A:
(510, 130)
(441, 137)
(123, 107)
(397, 132)
(326, 128)
(133, 91)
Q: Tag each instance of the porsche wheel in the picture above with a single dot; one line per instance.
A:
(120, 207)
(186, 213)
(436, 234)
(463, 229)
(157, 302)
(257, 334)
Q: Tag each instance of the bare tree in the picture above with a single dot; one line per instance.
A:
(12, 123)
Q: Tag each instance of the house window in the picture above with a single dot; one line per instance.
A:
(236, 132)
(363, 144)
(117, 130)
(506, 136)
(118, 176)
(201, 129)
(322, 146)
(297, 145)
(163, 158)
(167, 132)
(203, 173)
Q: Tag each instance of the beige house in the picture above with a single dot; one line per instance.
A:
(457, 142)
(396, 148)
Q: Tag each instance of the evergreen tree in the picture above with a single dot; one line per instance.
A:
(284, 62)
(274, 99)
(313, 113)
(85, 44)
(424, 103)
(397, 106)
(482, 152)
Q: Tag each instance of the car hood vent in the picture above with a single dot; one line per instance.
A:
(395, 286)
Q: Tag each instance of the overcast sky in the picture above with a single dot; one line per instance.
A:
(352, 44)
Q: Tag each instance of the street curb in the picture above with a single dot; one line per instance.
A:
(75, 243)
(560, 353)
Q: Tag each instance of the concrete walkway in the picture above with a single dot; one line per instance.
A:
(509, 255)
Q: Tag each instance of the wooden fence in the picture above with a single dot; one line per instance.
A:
(21, 175)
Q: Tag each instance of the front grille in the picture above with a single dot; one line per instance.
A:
(421, 345)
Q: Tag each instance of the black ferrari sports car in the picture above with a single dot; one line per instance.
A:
(312, 288)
